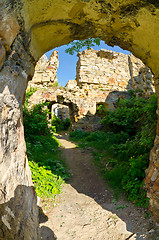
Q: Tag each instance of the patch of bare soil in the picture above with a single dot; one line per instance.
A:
(86, 208)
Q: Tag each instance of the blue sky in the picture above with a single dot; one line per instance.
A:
(67, 63)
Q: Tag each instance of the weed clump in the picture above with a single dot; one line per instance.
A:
(59, 125)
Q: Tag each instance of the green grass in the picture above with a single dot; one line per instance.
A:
(49, 171)
(46, 183)
(45, 152)
(122, 148)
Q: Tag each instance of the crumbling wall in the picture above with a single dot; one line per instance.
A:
(112, 71)
(61, 111)
(45, 72)
(102, 77)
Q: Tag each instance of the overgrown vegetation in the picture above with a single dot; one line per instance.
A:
(124, 145)
(48, 169)
(28, 95)
(101, 110)
(60, 125)
(55, 85)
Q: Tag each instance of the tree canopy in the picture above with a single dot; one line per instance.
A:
(77, 45)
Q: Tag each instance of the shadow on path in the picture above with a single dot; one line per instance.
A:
(21, 211)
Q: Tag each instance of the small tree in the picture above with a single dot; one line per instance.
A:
(76, 46)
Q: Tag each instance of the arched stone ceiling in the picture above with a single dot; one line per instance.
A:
(131, 24)
(29, 28)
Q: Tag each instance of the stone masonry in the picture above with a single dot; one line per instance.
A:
(61, 111)
(112, 71)
(45, 71)
(102, 77)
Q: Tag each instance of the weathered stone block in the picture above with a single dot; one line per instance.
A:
(2, 55)
(116, 71)
(9, 28)
(18, 207)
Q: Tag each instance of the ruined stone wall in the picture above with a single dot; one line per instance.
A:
(18, 205)
(112, 71)
(102, 77)
(45, 71)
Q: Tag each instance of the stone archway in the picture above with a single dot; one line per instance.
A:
(61, 111)
(27, 30)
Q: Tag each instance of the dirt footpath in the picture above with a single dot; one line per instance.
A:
(86, 208)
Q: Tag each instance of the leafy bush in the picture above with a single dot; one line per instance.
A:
(28, 95)
(35, 122)
(46, 183)
(126, 117)
(58, 125)
(123, 148)
(101, 110)
(48, 169)
(79, 134)
(67, 124)
(132, 182)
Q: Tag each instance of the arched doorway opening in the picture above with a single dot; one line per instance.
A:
(34, 27)
(61, 111)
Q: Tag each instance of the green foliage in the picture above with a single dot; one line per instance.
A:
(35, 122)
(45, 151)
(76, 46)
(28, 95)
(126, 116)
(46, 183)
(101, 110)
(78, 134)
(122, 150)
(48, 169)
(59, 125)
(55, 84)
(132, 182)
(56, 124)
(67, 124)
